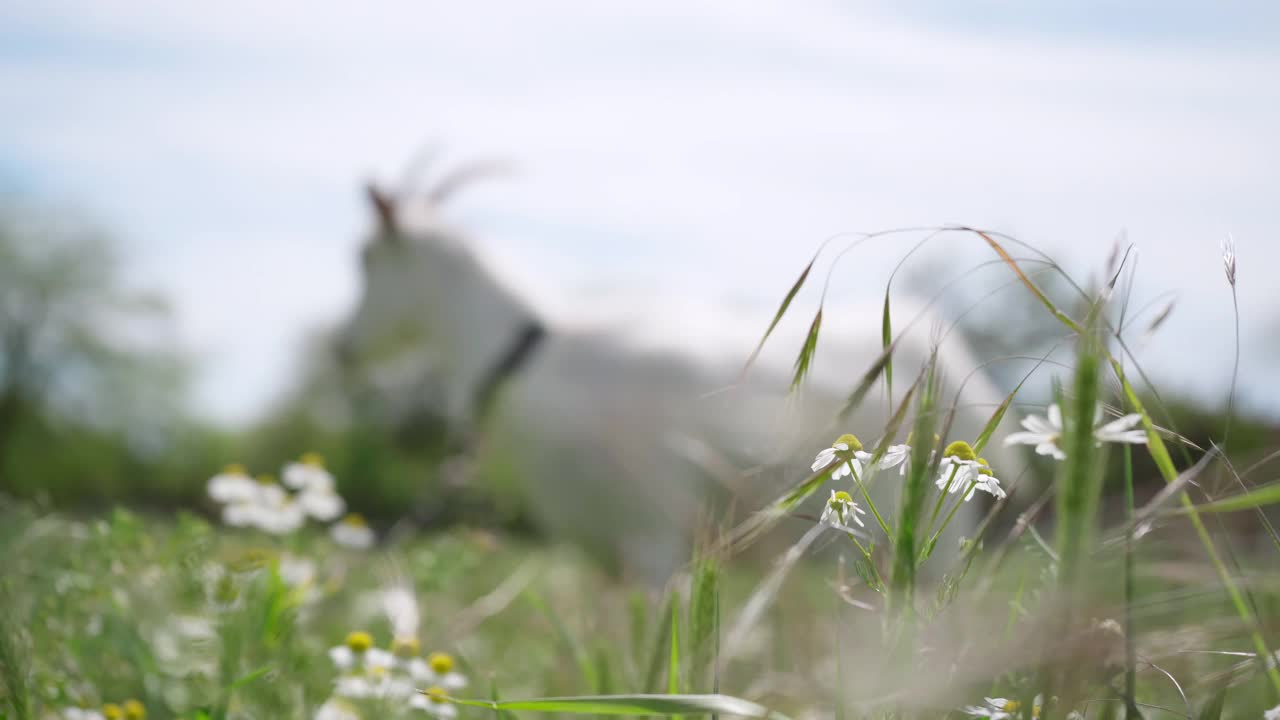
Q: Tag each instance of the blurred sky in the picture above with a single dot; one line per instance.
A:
(701, 149)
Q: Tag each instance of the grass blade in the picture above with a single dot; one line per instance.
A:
(782, 310)
(1026, 281)
(886, 339)
(673, 663)
(1160, 454)
(633, 705)
(1268, 494)
(1212, 708)
(658, 654)
(760, 522)
(571, 645)
(1078, 490)
(1130, 641)
(867, 381)
(704, 608)
(913, 497)
(994, 421)
(805, 359)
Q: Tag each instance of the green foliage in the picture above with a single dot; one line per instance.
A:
(913, 499)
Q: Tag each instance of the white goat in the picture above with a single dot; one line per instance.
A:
(615, 446)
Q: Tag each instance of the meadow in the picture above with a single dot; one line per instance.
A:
(1084, 596)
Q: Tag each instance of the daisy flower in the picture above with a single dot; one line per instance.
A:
(895, 456)
(439, 671)
(307, 473)
(88, 714)
(275, 512)
(998, 708)
(432, 701)
(1045, 432)
(232, 485)
(315, 486)
(323, 505)
(840, 510)
(958, 467)
(846, 447)
(346, 655)
(352, 532)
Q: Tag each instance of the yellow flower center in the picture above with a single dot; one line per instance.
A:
(436, 694)
(134, 710)
(851, 440)
(440, 663)
(266, 479)
(313, 459)
(359, 641)
(112, 711)
(234, 469)
(840, 499)
(355, 520)
(1011, 706)
(406, 647)
(961, 450)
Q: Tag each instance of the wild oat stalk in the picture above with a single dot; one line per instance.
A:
(903, 578)
(1078, 481)
(704, 621)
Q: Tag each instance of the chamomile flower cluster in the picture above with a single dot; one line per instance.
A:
(397, 674)
(306, 491)
(960, 470)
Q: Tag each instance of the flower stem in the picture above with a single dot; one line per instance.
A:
(883, 526)
(937, 507)
(951, 514)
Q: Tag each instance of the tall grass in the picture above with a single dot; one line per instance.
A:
(1146, 611)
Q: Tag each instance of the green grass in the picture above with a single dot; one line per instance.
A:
(195, 620)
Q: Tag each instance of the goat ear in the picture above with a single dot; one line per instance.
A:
(383, 205)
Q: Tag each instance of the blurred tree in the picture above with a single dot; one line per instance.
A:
(80, 355)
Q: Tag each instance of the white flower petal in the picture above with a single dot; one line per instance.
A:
(1027, 438)
(360, 537)
(323, 505)
(1055, 416)
(342, 656)
(1037, 424)
(231, 487)
(1133, 437)
(1126, 422)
